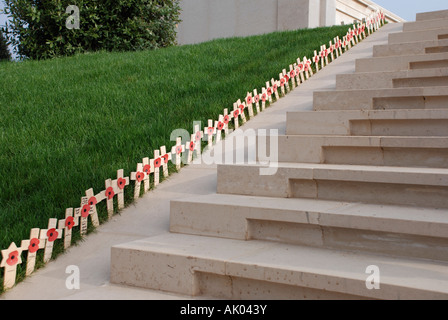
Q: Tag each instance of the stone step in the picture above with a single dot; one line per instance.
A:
(235, 269)
(412, 48)
(420, 35)
(318, 223)
(432, 15)
(425, 25)
(395, 79)
(399, 122)
(425, 187)
(397, 98)
(402, 63)
(427, 152)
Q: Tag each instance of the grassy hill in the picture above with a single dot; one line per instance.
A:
(68, 124)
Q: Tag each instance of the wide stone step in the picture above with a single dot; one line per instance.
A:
(318, 223)
(432, 15)
(425, 187)
(397, 79)
(416, 36)
(399, 122)
(402, 63)
(411, 48)
(377, 99)
(235, 269)
(430, 152)
(425, 25)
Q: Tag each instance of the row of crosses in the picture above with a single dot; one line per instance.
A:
(43, 239)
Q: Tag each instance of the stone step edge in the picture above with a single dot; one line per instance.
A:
(183, 257)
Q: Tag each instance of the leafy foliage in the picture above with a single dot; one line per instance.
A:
(4, 51)
(38, 28)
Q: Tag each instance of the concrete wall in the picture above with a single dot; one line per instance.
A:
(204, 20)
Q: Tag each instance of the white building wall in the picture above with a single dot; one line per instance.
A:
(204, 20)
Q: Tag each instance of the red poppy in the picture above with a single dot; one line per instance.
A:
(263, 97)
(286, 77)
(236, 113)
(34, 244)
(198, 136)
(316, 59)
(269, 91)
(85, 211)
(165, 158)
(13, 258)
(331, 49)
(121, 183)
(139, 176)
(210, 131)
(275, 87)
(257, 98)
(300, 66)
(241, 106)
(292, 73)
(157, 162)
(110, 193)
(220, 125)
(192, 146)
(52, 234)
(69, 223)
(282, 82)
(92, 201)
(226, 119)
(178, 149)
(147, 169)
(249, 100)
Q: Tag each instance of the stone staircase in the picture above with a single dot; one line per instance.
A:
(362, 181)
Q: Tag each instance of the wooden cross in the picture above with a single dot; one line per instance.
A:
(93, 200)
(83, 213)
(198, 134)
(257, 101)
(11, 257)
(148, 168)
(33, 244)
(306, 67)
(157, 165)
(282, 84)
(177, 151)
(249, 101)
(121, 182)
(67, 224)
(331, 49)
(275, 89)
(235, 115)
(219, 126)
(269, 91)
(264, 97)
(226, 119)
(50, 235)
(210, 132)
(242, 106)
(110, 193)
(301, 68)
(297, 73)
(287, 78)
(316, 60)
(191, 147)
(138, 177)
(336, 47)
(166, 157)
(292, 75)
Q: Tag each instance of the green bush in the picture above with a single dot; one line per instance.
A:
(37, 29)
(4, 51)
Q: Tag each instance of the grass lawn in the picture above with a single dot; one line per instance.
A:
(68, 124)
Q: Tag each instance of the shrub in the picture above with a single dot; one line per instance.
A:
(4, 51)
(38, 28)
